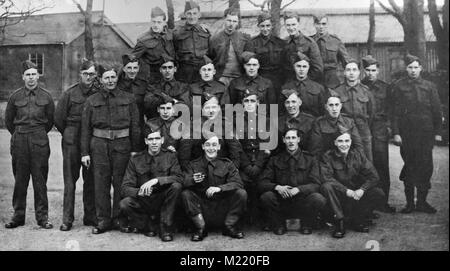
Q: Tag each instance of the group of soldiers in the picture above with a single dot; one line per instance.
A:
(124, 129)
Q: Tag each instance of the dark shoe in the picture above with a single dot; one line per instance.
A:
(339, 229)
(13, 224)
(388, 209)
(97, 230)
(361, 227)
(266, 228)
(279, 230)
(199, 235)
(150, 233)
(374, 215)
(425, 208)
(408, 209)
(232, 232)
(166, 237)
(306, 229)
(65, 227)
(128, 229)
(46, 225)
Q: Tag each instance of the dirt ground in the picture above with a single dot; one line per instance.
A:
(415, 231)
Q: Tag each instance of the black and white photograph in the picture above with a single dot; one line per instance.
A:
(224, 126)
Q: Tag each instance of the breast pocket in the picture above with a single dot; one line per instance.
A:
(263, 54)
(76, 106)
(281, 172)
(331, 53)
(40, 108)
(21, 107)
(99, 112)
(220, 177)
(122, 114)
(201, 44)
(363, 102)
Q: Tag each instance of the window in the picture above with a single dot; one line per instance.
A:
(37, 59)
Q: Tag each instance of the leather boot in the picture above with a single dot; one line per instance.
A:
(422, 204)
(199, 232)
(339, 229)
(409, 194)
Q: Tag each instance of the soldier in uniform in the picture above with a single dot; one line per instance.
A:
(109, 135)
(191, 42)
(227, 46)
(332, 50)
(380, 128)
(290, 186)
(214, 192)
(152, 44)
(269, 51)
(358, 102)
(151, 186)
(349, 185)
(312, 94)
(168, 85)
(68, 122)
(332, 122)
(252, 81)
(298, 43)
(416, 123)
(29, 117)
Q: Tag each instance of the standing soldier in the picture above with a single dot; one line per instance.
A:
(68, 122)
(226, 48)
(109, 135)
(380, 126)
(416, 123)
(29, 117)
(269, 51)
(313, 94)
(358, 102)
(332, 50)
(191, 43)
(298, 43)
(151, 45)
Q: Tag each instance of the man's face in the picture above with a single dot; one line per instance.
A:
(207, 72)
(30, 77)
(372, 72)
(192, 16)
(351, 72)
(231, 23)
(251, 67)
(292, 104)
(154, 142)
(333, 107)
(250, 103)
(414, 69)
(211, 147)
(301, 69)
(265, 28)
(322, 26)
(131, 69)
(166, 111)
(291, 140)
(292, 26)
(109, 80)
(343, 143)
(168, 70)
(157, 24)
(211, 108)
(88, 76)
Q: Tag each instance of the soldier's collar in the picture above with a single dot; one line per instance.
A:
(29, 92)
(249, 79)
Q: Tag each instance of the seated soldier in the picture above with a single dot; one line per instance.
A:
(151, 186)
(332, 122)
(169, 85)
(290, 186)
(349, 185)
(214, 192)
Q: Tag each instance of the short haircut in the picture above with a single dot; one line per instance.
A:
(297, 131)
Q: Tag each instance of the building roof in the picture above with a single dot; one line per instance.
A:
(54, 29)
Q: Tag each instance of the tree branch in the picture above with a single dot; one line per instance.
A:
(286, 5)
(434, 19)
(261, 6)
(79, 6)
(395, 13)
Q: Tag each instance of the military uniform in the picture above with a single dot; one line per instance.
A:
(109, 133)
(303, 122)
(149, 48)
(163, 200)
(324, 128)
(225, 207)
(352, 172)
(29, 117)
(312, 94)
(68, 122)
(333, 51)
(259, 84)
(164, 126)
(300, 170)
(215, 88)
(269, 51)
(359, 103)
(307, 46)
(191, 44)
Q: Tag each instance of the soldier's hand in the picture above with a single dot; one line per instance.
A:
(86, 161)
(171, 148)
(133, 153)
(358, 194)
(397, 140)
(211, 191)
(294, 191)
(350, 193)
(283, 190)
(438, 138)
(267, 152)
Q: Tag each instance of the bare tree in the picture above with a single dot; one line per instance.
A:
(411, 19)
(275, 8)
(440, 31)
(88, 25)
(15, 11)
(170, 14)
(371, 38)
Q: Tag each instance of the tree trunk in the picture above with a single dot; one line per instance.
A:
(88, 36)
(170, 14)
(371, 38)
(275, 9)
(234, 3)
(441, 32)
(414, 29)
